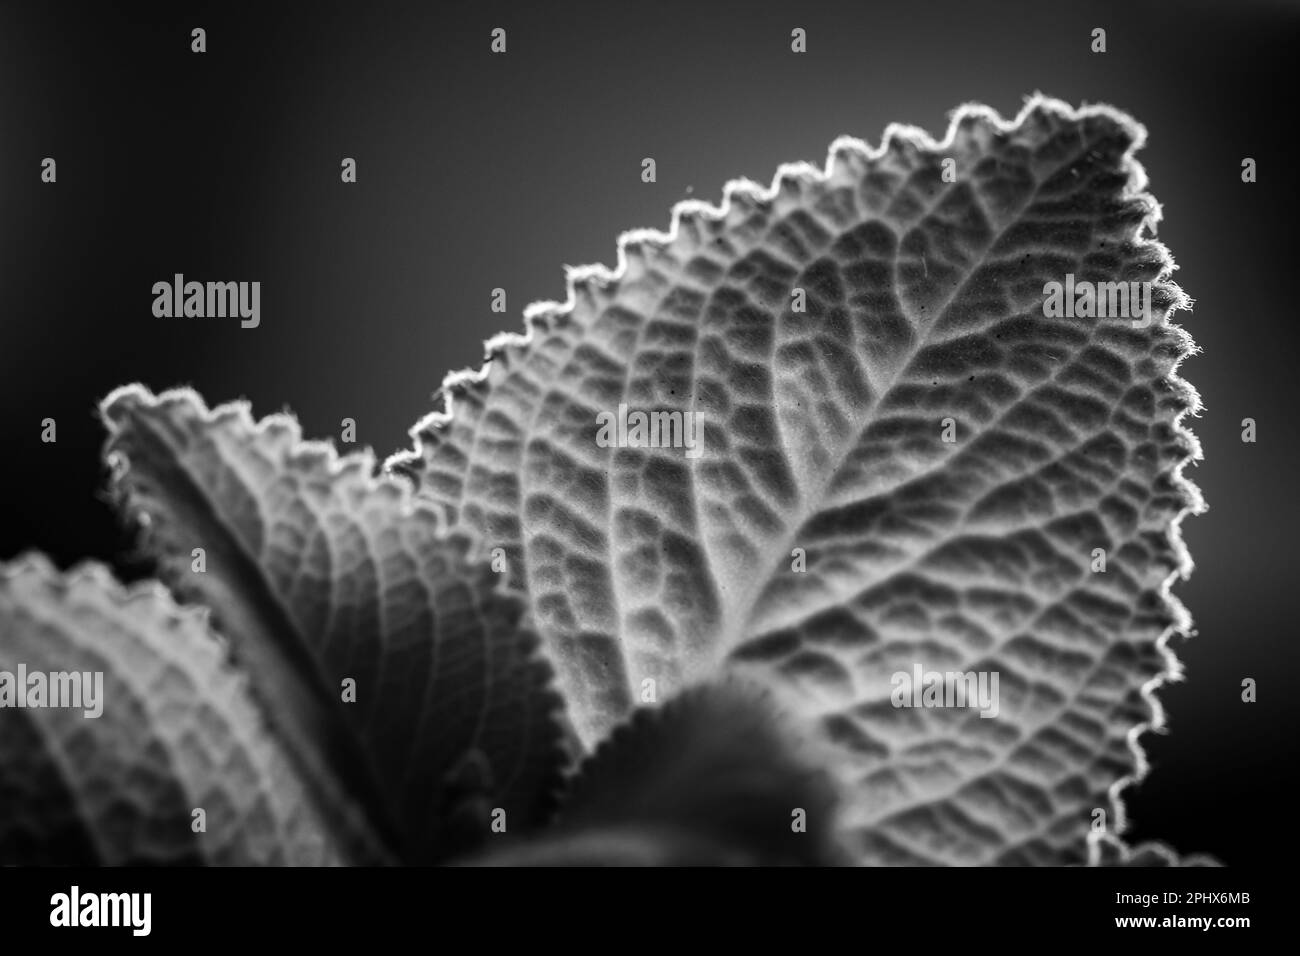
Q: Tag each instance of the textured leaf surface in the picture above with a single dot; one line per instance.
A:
(319, 573)
(179, 730)
(924, 301)
(714, 777)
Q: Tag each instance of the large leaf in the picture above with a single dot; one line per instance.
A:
(320, 573)
(824, 432)
(177, 731)
(714, 777)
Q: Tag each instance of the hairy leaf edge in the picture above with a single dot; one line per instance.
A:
(373, 478)
(538, 315)
(157, 600)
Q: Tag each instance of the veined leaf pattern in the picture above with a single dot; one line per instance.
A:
(319, 572)
(823, 431)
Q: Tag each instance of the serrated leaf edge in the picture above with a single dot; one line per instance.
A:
(540, 315)
(161, 606)
(360, 467)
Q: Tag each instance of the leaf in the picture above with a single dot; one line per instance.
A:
(1107, 850)
(320, 573)
(712, 777)
(177, 731)
(823, 431)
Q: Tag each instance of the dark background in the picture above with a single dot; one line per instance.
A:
(478, 171)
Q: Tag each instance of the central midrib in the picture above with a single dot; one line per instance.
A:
(738, 613)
